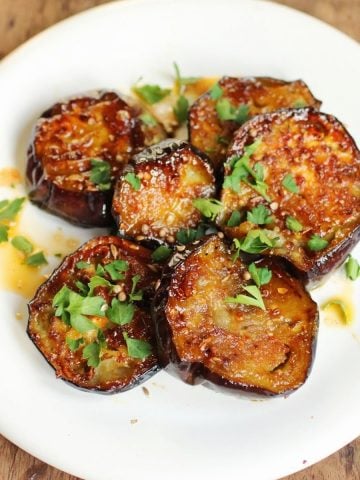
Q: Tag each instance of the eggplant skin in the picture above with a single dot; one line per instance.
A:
(171, 175)
(203, 339)
(324, 162)
(103, 127)
(260, 94)
(117, 371)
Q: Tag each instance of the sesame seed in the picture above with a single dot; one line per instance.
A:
(170, 239)
(180, 248)
(163, 232)
(274, 206)
(145, 229)
(122, 296)
(113, 250)
(246, 276)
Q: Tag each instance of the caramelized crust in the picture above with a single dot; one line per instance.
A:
(116, 370)
(234, 345)
(67, 137)
(324, 162)
(171, 174)
(211, 135)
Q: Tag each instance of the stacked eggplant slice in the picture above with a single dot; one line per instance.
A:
(218, 236)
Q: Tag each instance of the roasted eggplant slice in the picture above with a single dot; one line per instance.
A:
(213, 322)
(78, 149)
(294, 176)
(216, 115)
(91, 319)
(154, 196)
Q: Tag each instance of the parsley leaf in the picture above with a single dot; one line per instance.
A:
(100, 174)
(97, 281)
(352, 268)
(22, 244)
(135, 296)
(151, 93)
(293, 224)
(120, 313)
(188, 235)
(9, 210)
(91, 353)
(299, 103)
(261, 276)
(254, 299)
(82, 265)
(61, 302)
(4, 237)
(181, 109)
(289, 183)
(79, 307)
(36, 259)
(137, 348)
(216, 92)
(208, 207)
(73, 344)
(116, 269)
(226, 111)
(148, 119)
(161, 253)
(259, 215)
(256, 241)
(242, 114)
(183, 80)
(235, 219)
(316, 243)
(133, 180)
(83, 289)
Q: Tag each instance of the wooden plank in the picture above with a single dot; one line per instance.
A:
(16, 26)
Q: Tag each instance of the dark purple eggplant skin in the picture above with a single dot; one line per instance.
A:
(194, 373)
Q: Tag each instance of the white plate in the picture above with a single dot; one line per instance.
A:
(182, 431)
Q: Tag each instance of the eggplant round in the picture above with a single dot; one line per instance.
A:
(216, 115)
(91, 319)
(203, 337)
(78, 149)
(310, 178)
(154, 196)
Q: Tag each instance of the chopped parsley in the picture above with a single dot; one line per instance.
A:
(254, 298)
(259, 215)
(161, 253)
(300, 103)
(226, 111)
(317, 243)
(91, 353)
(83, 265)
(120, 313)
(188, 235)
(289, 183)
(183, 80)
(97, 281)
(235, 219)
(4, 236)
(216, 92)
(148, 119)
(261, 276)
(181, 109)
(100, 174)
(36, 259)
(116, 269)
(293, 224)
(137, 348)
(133, 180)
(352, 268)
(256, 241)
(135, 296)
(151, 93)
(74, 344)
(208, 207)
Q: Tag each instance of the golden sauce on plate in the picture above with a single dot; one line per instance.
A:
(9, 176)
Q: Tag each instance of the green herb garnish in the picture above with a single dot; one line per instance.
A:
(36, 259)
(256, 241)
(82, 265)
(73, 344)
(293, 224)
(100, 174)
(83, 289)
(188, 235)
(261, 276)
(4, 236)
(208, 207)
(352, 268)
(317, 243)
(161, 253)
(151, 93)
(91, 353)
(216, 92)
(289, 183)
(181, 109)
(235, 219)
(148, 119)
(22, 244)
(300, 103)
(259, 215)
(97, 281)
(135, 296)
(133, 180)
(183, 80)
(9, 209)
(254, 299)
(116, 269)
(226, 111)
(137, 348)
(120, 313)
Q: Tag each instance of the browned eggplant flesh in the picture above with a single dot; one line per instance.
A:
(154, 197)
(78, 149)
(250, 327)
(216, 115)
(292, 189)
(91, 318)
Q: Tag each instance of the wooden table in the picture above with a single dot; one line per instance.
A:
(17, 24)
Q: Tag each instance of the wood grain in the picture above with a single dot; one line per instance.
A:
(20, 20)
